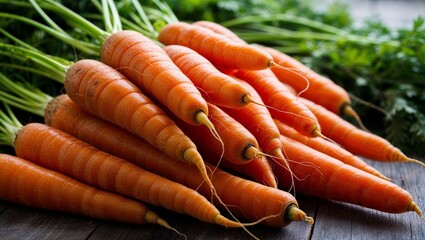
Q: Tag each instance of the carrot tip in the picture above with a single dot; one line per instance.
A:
(223, 221)
(202, 118)
(193, 156)
(346, 109)
(414, 207)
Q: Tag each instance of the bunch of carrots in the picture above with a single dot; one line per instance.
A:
(188, 117)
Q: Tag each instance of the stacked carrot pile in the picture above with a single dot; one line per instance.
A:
(170, 123)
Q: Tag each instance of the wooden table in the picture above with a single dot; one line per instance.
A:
(333, 220)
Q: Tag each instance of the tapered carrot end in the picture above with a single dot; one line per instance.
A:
(151, 217)
(378, 174)
(414, 161)
(414, 207)
(293, 213)
(193, 156)
(223, 221)
(163, 223)
(349, 111)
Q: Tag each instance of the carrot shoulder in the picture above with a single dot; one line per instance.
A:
(26, 183)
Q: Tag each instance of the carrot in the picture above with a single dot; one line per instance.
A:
(26, 183)
(61, 152)
(66, 115)
(218, 28)
(104, 92)
(328, 148)
(217, 87)
(321, 90)
(148, 66)
(355, 140)
(323, 176)
(218, 49)
(282, 104)
(240, 146)
(257, 119)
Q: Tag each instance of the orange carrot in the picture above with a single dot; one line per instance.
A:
(328, 148)
(355, 140)
(321, 90)
(218, 49)
(26, 183)
(240, 146)
(325, 177)
(282, 104)
(217, 28)
(217, 87)
(104, 92)
(59, 151)
(257, 119)
(67, 116)
(146, 64)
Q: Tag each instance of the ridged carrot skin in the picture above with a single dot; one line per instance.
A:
(355, 140)
(67, 116)
(146, 64)
(282, 104)
(322, 90)
(328, 148)
(215, 47)
(220, 29)
(26, 183)
(323, 176)
(258, 120)
(106, 93)
(240, 146)
(59, 151)
(216, 87)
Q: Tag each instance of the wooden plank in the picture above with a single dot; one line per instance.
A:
(346, 221)
(19, 222)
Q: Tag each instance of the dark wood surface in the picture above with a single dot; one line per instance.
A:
(333, 220)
